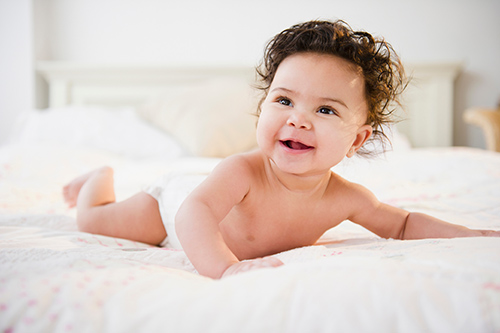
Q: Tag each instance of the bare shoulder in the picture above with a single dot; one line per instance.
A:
(362, 207)
(235, 173)
(240, 165)
(355, 197)
(340, 184)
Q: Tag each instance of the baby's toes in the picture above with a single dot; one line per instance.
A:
(69, 196)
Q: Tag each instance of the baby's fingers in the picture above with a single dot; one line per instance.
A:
(248, 265)
(492, 233)
(271, 262)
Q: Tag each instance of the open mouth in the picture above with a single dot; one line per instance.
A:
(295, 145)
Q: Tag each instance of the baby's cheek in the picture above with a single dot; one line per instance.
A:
(262, 134)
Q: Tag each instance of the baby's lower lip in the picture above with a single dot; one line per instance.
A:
(295, 146)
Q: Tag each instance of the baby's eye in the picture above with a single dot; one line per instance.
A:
(325, 110)
(284, 101)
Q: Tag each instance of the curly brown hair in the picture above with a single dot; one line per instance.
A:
(382, 69)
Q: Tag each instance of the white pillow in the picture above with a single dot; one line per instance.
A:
(119, 131)
(211, 119)
(397, 141)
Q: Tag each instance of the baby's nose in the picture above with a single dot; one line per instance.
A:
(299, 119)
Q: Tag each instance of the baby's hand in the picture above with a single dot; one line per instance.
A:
(248, 265)
(491, 233)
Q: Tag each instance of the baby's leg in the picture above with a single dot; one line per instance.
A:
(137, 218)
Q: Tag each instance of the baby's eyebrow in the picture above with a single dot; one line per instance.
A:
(330, 99)
(284, 89)
(335, 100)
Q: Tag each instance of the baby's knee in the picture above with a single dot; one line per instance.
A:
(86, 222)
(94, 219)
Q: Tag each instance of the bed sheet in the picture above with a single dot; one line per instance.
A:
(54, 278)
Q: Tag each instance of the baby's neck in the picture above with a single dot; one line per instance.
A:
(300, 184)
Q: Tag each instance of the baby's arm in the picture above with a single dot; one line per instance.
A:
(391, 222)
(198, 218)
(420, 225)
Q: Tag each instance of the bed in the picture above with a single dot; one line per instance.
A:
(140, 120)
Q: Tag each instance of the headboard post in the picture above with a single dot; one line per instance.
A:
(59, 93)
(427, 119)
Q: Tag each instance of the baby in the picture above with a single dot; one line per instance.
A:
(327, 90)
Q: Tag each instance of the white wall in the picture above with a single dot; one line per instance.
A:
(16, 62)
(234, 32)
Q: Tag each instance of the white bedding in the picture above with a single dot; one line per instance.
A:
(55, 278)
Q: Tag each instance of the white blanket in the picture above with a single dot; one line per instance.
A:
(55, 278)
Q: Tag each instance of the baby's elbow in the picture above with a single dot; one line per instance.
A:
(182, 222)
(403, 228)
(188, 218)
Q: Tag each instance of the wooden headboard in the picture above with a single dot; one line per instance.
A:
(428, 101)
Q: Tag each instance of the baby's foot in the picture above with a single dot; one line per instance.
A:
(72, 189)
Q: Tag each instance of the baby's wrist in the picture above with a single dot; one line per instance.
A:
(228, 270)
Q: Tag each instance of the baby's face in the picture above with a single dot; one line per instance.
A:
(314, 113)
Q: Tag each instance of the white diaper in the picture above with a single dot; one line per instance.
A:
(170, 191)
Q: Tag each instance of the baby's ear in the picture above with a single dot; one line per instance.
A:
(364, 133)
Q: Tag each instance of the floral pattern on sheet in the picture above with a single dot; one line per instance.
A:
(67, 280)
(55, 278)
